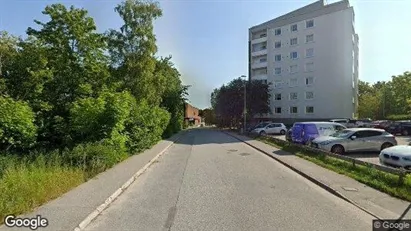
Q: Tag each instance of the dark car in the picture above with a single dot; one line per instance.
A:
(381, 124)
(288, 135)
(400, 127)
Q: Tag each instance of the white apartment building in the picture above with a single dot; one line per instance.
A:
(310, 57)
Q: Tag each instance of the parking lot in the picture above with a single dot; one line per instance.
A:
(368, 157)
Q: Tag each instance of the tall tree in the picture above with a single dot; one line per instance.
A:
(133, 47)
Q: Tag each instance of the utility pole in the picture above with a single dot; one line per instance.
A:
(245, 103)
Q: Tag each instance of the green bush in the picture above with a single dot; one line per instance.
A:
(146, 126)
(17, 128)
(94, 158)
(95, 119)
(399, 117)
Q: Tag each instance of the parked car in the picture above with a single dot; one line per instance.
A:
(355, 140)
(348, 123)
(398, 156)
(259, 125)
(272, 128)
(288, 135)
(400, 127)
(363, 123)
(382, 124)
(305, 132)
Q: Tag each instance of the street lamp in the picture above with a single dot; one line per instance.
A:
(245, 102)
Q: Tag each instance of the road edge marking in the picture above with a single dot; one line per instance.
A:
(310, 178)
(93, 215)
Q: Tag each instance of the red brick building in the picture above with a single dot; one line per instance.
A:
(191, 115)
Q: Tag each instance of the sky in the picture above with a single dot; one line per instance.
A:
(208, 39)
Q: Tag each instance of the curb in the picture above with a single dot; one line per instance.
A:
(312, 179)
(93, 215)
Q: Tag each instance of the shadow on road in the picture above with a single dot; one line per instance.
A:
(201, 136)
(283, 153)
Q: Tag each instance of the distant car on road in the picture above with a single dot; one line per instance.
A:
(349, 123)
(355, 140)
(272, 128)
(398, 156)
(363, 123)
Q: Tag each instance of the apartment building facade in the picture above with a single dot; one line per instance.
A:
(310, 57)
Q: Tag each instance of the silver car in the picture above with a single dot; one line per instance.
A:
(355, 140)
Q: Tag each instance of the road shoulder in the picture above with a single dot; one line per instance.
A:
(67, 211)
(380, 204)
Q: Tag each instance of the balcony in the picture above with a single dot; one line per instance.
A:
(257, 65)
(259, 52)
(259, 40)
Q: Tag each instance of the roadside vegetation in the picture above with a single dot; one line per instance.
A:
(75, 102)
(384, 182)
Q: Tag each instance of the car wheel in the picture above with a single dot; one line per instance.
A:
(338, 149)
(282, 132)
(405, 133)
(263, 133)
(386, 145)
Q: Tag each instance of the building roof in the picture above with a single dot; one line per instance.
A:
(312, 10)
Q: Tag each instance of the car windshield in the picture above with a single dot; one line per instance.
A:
(341, 134)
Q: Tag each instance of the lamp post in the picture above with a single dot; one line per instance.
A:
(245, 103)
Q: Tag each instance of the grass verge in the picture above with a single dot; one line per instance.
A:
(382, 181)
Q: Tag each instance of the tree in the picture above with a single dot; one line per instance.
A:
(132, 50)
(228, 101)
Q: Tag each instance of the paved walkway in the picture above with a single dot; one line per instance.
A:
(378, 203)
(67, 211)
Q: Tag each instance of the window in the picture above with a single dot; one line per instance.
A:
(293, 41)
(278, 83)
(353, 99)
(309, 52)
(293, 82)
(309, 80)
(263, 47)
(294, 55)
(277, 110)
(294, 27)
(277, 44)
(277, 58)
(309, 23)
(309, 66)
(277, 71)
(263, 35)
(277, 31)
(309, 95)
(293, 95)
(309, 38)
(293, 69)
(278, 96)
(263, 60)
(363, 134)
(293, 110)
(309, 109)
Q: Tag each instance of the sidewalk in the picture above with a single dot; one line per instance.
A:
(67, 211)
(374, 201)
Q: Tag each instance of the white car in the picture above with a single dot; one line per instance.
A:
(271, 128)
(398, 156)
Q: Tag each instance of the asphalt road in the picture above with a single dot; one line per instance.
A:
(210, 181)
(371, 157)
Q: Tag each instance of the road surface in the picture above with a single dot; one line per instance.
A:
(210, 181)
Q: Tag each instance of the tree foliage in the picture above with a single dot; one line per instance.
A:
(386, 100)
(228, 101)
(69, 86)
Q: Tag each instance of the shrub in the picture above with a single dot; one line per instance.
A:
(399, 117)
(94, 158)
(17, 126)
(146, 126)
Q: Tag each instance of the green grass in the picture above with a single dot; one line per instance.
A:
(382, 181)
(26, 184)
